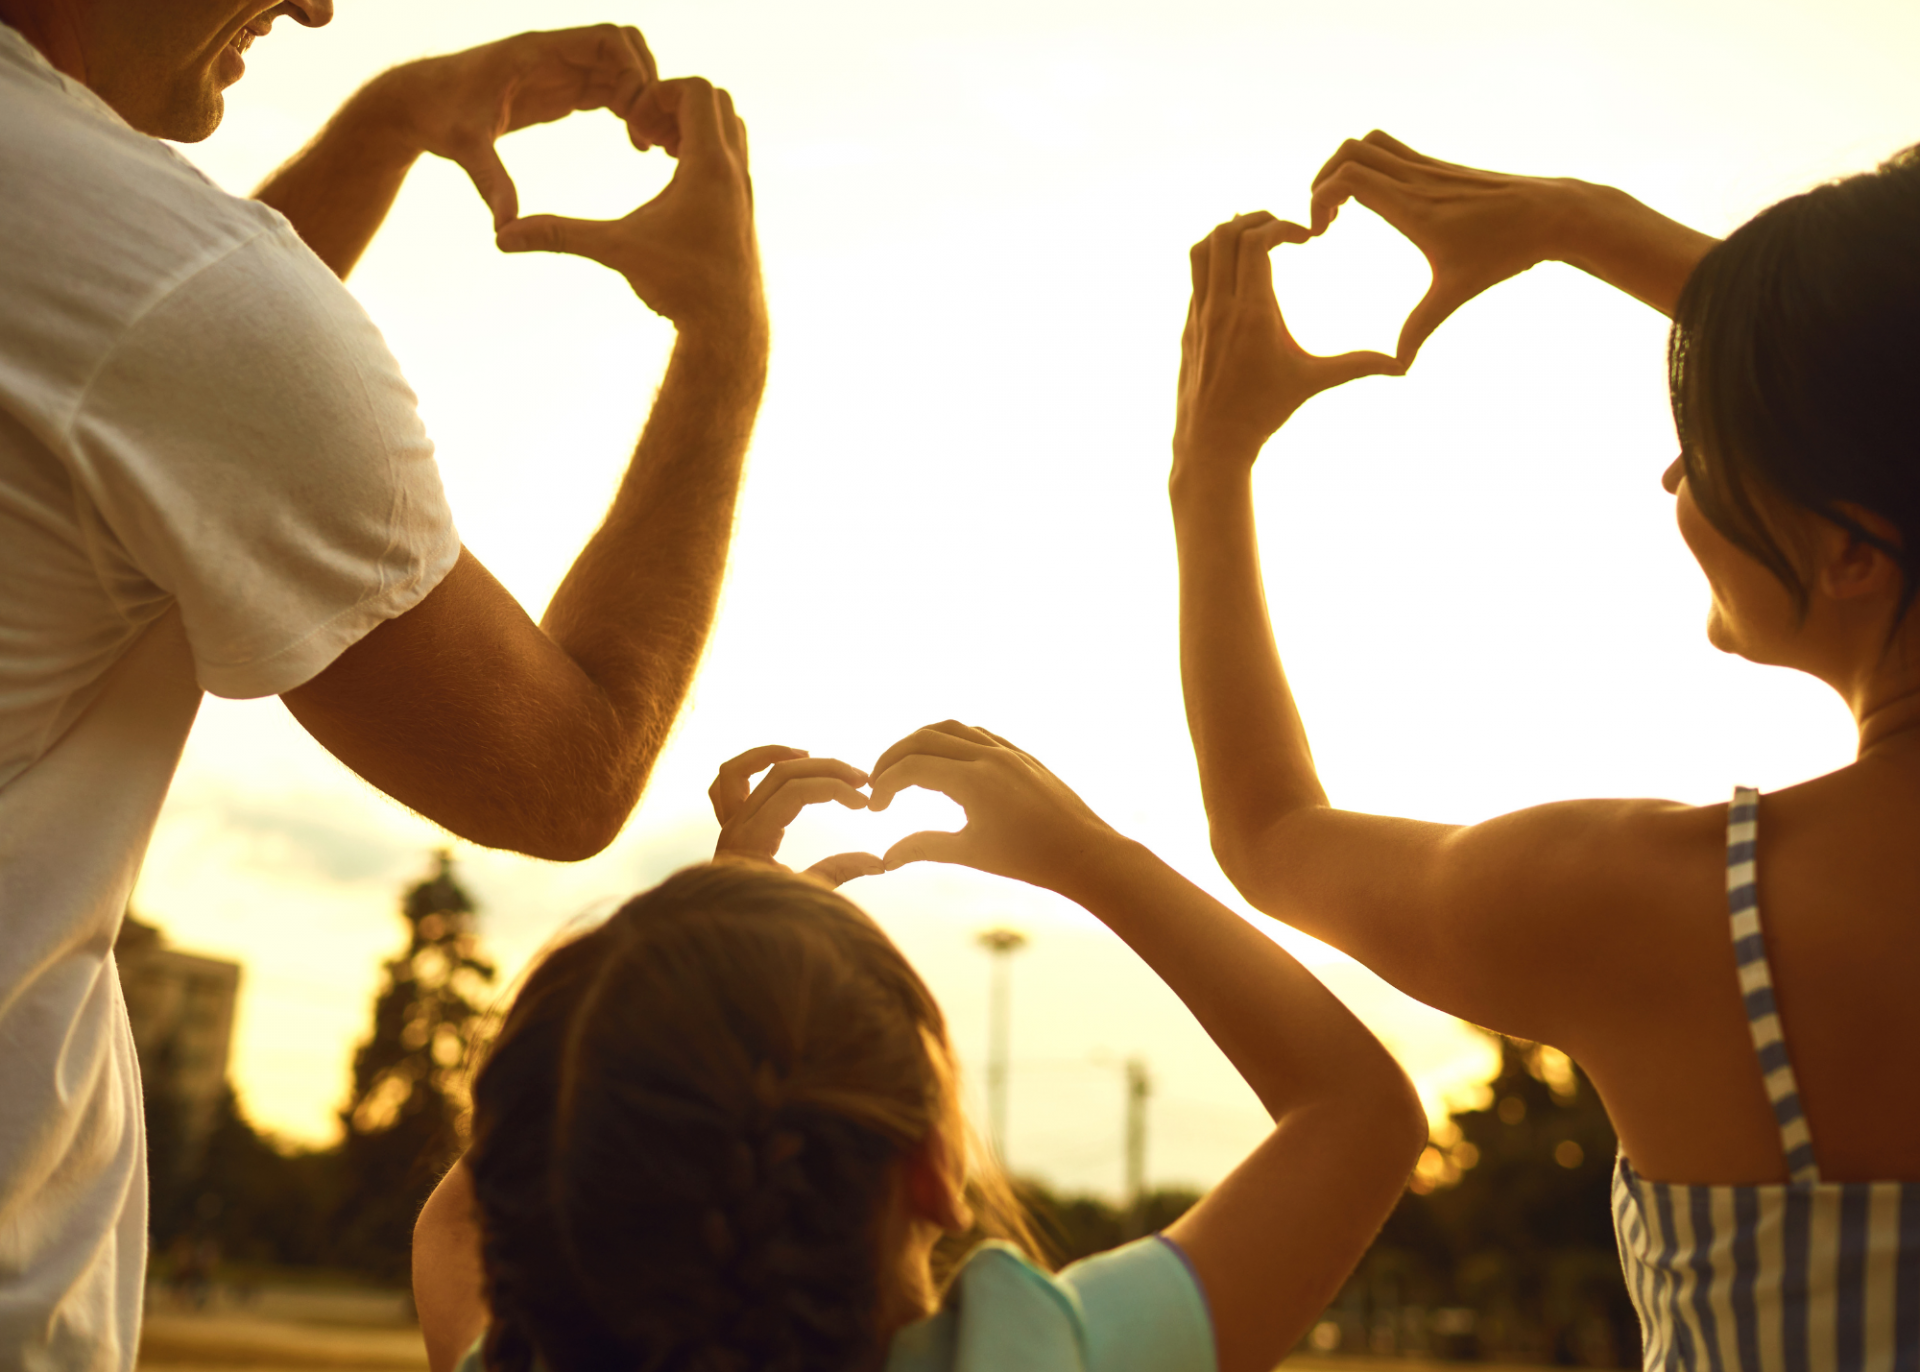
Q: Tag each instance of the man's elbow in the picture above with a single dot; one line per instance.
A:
(1252, 850)
(571, 827)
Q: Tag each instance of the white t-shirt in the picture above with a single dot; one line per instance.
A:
(212, 477)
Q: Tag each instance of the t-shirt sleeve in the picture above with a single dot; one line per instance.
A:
(1144, 1309)
(250, 448)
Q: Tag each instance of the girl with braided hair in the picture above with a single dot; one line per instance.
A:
(721, 1132)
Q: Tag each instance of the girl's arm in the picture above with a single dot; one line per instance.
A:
(1516, 923)
(1274, 1241)
(448, 1289)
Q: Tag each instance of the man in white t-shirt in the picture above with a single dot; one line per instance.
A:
(213, 478)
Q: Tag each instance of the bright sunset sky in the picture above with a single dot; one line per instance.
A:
(974, 219)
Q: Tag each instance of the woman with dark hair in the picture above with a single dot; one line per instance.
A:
(1767, 1193)
(721, 1131)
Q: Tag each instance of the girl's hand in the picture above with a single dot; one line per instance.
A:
(1475, 228)
(1022, 821)
(754, 819)
(1241, 372)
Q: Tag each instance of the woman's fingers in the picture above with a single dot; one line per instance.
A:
(844, 867)
(1387, 196)
(1254, 265)
(735, 779)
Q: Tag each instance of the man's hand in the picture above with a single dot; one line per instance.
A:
(1241, 372)
(689, 252)
(1022, 820)
(754, 819)
(459, 105)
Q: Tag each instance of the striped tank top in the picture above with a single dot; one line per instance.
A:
(1809, 1276)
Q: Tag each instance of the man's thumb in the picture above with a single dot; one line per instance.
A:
(553, 233)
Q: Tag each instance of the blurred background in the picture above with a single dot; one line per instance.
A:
(974, 221)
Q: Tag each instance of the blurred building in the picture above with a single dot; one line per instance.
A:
(181, 1005)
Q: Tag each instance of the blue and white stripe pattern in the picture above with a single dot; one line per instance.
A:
(1809, 1276)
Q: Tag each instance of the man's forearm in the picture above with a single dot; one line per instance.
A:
(337, 190)
(635, 610)
(1255, 765)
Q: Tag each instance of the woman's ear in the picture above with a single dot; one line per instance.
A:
(936, 1184)
(1851, 568)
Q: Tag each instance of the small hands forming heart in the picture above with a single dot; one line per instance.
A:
(1022, 821)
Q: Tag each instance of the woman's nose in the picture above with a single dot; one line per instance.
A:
(1675, 473)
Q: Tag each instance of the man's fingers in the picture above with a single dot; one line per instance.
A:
(489, 174)
(589, 238)
(844, 867)
(929, 845)
(734, 781)
(696, 108)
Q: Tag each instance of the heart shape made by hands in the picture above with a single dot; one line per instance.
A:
(824, 830)
(1352, 288)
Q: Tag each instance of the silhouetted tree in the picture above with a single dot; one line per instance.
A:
(405, 1119)
(1508, 1216)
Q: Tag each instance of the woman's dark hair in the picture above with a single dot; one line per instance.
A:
(686, 1131)
(1794, 369)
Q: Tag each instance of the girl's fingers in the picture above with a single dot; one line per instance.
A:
(1254, 270)
(949, 738)
(1385, 196)
(844, 867)
(802, 769)
(732, 784)
(948, 775)
(929, 845)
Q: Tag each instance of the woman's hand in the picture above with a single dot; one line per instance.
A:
(1022, 820)
(1477, 228)
(753, 819)
(1241, 372)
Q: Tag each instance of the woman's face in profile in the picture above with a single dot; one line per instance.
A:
(1752, 614)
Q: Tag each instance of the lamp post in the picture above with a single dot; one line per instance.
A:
(1139, 1087)
(1001, 945)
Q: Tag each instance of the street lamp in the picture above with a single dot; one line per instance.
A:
(1001, 945)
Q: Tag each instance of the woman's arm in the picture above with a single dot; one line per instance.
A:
(448, 1288)
(1511, 923)
(1274, 1241)
(1477, 228)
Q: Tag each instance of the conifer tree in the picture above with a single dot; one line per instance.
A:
(406, 1117)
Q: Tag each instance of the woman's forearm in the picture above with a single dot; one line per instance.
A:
(1255, 765)
(1609, 235)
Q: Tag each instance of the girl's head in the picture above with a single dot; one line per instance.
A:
(1794, 371)
(712, 1134)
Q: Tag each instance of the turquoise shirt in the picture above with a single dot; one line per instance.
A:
(1138, 1308)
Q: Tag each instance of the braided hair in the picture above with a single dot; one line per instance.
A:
(685, 1135)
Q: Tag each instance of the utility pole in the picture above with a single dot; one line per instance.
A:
(1001, 945)
(1139, 1087)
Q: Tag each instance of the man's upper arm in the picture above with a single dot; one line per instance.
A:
(250, 449)
(1504, 923)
